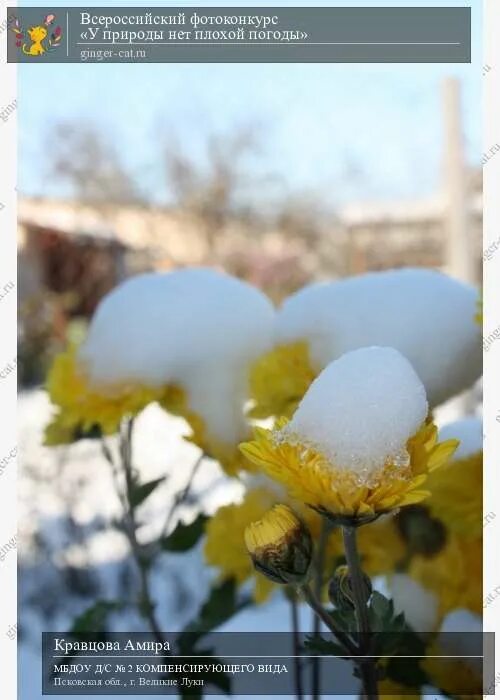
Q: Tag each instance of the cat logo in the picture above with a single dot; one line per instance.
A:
(39, 39)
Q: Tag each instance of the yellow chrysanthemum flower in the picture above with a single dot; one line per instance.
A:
(311, 478)
(390, 690)
(455, 574)
(452, 676)
(457, 495)
(225, 545)
(279, 379)
(280, 545)
(82, 407)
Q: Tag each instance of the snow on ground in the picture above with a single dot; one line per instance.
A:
(77, 479)
(76, 564)
(69, 555)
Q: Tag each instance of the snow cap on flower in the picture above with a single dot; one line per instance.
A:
(361, 410)
(194, 328)
(360, 443)
(424, 314)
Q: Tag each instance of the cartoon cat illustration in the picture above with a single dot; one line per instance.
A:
(37, 35)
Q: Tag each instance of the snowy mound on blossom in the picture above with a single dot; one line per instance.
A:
(420, 606)
(424, 314)
(470, 433)
(361, 410)
(195, 328)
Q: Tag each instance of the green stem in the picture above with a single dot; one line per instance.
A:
(329, 622)
(356, 576)
(299, 691)
(318, 586)
(182, 496)
(146, 607)
(360, 599)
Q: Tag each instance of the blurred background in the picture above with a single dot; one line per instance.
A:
(280, 175)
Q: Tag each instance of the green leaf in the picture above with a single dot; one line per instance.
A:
(407, 672)
(380, 605)
(139, 492)
(399, 622)
(345, 619)
(221, 605)
(220, 680)
(184, 537)
(95, 618)
(325, 647)
(93, 621)
(393, 635)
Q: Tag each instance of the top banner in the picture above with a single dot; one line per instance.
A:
(239, 35)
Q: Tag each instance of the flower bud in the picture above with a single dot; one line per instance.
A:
(280, 546)
(422, 533)
(340, 588)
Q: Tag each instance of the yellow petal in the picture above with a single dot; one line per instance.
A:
(414, 497)
(442, 453)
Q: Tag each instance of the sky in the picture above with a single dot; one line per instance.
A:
(345, 131)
